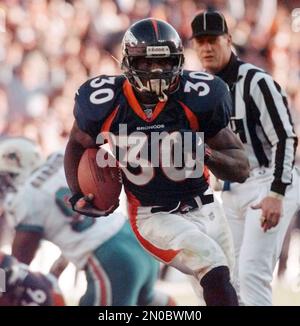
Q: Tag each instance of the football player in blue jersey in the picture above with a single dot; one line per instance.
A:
(25, 288)
(171, 207)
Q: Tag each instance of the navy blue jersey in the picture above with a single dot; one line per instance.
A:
(26, 288)
(201, 103)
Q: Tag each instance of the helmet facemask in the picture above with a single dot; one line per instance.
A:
(157, 80)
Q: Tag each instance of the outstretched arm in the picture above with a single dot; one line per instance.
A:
(227, 160)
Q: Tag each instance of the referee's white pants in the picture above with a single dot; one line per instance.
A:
(257, 252)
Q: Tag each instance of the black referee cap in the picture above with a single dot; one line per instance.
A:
(209, 23)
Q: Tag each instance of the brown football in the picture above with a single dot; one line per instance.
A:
(103, 182)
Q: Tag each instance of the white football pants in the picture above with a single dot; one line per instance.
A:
(194, 243)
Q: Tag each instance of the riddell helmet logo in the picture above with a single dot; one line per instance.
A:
(163, 51)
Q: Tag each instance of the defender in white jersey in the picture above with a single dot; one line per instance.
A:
(118, 270)
(259, 210)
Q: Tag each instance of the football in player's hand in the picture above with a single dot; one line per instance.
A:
(97, 177)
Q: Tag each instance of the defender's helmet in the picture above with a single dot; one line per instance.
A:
(151, 39)
(18, 158)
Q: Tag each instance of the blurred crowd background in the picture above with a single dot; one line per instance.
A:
(49, 47)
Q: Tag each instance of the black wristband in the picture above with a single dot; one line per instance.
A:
(74, 199)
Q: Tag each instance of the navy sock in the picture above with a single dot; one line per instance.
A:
(217, 289)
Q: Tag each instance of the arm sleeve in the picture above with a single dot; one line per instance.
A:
(277, 124)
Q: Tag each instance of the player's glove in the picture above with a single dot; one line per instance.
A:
(84, 206)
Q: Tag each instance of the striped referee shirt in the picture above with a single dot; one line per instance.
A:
(262, 120)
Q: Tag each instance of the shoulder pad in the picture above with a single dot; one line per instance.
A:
(208, 97)
(95, 100)
(97, 96)
(201, 90)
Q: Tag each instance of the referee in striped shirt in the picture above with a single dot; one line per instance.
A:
(259, 210)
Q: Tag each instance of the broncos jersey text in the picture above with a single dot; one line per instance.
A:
(201, 103)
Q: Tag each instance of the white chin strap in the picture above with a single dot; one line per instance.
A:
(157, 86)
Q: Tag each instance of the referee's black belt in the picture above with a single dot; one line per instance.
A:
(184, 206)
